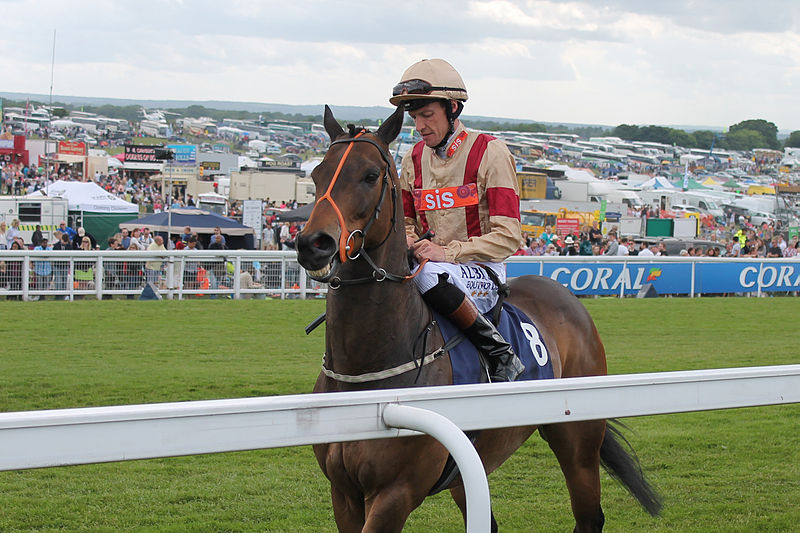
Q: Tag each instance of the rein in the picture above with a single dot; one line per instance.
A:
(379, 274)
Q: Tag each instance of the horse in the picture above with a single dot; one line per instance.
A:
(380, 334)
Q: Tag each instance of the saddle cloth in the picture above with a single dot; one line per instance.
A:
(517, 329)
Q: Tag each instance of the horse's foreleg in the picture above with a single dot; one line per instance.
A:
(577, 448)
(348, 512)
(388, 510)
(460, 497)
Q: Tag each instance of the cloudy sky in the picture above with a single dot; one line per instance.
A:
(671, 62)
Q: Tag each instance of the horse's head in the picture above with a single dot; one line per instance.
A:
(353, 181)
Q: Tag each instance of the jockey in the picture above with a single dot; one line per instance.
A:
(462, 186)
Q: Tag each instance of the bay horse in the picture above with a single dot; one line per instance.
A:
(380, 334)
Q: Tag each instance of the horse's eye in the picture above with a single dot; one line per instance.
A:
(372, 177)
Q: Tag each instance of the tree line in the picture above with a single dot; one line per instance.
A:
(743, 136)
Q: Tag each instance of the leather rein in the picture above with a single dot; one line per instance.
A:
(346, 239)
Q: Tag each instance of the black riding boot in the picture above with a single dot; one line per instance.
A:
(447, 299)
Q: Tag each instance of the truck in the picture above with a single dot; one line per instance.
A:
(533, 185)
(564, 221)
(213, 202)
(32, 211)
(276, 186)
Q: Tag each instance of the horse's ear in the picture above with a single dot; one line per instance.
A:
(332, 126)
(391, 126)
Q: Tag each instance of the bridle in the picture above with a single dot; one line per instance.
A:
(346, 239)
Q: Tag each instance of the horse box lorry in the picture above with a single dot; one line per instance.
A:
(276, 186)
(33, 210)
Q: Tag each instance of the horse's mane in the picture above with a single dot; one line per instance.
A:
(354, 130)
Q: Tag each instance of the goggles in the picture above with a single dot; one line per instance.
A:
(419, 87)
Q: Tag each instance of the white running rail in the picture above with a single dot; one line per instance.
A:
(35, 439)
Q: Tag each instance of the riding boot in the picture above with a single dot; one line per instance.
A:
(447, 299)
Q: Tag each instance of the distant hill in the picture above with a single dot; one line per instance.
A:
(341, 112)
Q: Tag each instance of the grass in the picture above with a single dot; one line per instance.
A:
(734, 470)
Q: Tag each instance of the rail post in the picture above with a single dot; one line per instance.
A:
(476, 486)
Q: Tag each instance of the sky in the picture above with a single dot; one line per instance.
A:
(704, 63)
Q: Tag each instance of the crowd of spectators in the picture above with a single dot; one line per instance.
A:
(744, 241)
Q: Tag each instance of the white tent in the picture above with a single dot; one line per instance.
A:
(580, 175)
(310, 165)
(658, 182)
(88, 196)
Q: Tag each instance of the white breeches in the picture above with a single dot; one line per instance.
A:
(470, 277)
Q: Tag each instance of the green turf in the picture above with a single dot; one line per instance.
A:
(734, 470)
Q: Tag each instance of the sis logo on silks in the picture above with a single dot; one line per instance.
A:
(445, 197)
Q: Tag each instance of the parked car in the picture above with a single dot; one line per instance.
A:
(686, 209)
(757, 218)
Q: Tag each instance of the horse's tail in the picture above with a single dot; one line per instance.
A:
(624, 466)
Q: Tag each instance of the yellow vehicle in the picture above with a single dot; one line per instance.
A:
(535, 222)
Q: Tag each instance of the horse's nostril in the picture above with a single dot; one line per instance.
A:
(318, 243)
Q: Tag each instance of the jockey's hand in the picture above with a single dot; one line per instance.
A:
(427, 250)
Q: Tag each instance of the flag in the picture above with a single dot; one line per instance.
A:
(686, 177)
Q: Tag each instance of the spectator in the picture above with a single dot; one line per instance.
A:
(585, 247)
(595, 235)
(14, 272)
(613, 246)
(152, 268)
(77, 242)
(42, 270)
(217, 242)
(775, 248)
(622, 248)
(190, 269)
(37, 237)
(539, 248)
(3, 240)
(197, 239)
(218, 232)
(125, 241)
(61, 267)
(84, 270)
(781, 243)
(187, 233)
(146, 239)
(647, 250)
(13, 233)
(570, 246)
(135, 242)
(268, 238)
(548, 235)
(63, 228)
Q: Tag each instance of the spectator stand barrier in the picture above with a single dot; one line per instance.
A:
(670, 275)
(36, 439)
(30, 275)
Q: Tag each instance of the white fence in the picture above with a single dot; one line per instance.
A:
(90, 435)
(31, 275)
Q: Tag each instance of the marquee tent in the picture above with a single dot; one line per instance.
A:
(656, 183)
(237, 235)
(98, 211)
